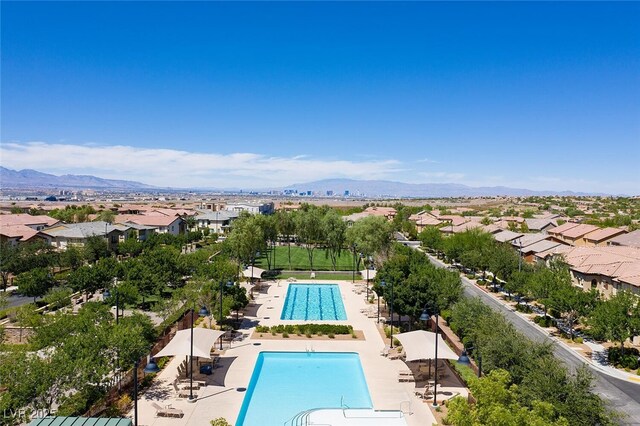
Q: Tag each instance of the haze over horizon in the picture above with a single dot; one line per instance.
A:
(543, 96)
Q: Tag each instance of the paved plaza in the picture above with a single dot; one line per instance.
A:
(226, 387)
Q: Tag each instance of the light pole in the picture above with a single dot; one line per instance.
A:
(353, 277)
(424, 317)
(200, 313)
(229, 284)
(135, 393)
(520, 254)
(463, 359)
(107, 294)
(384, 284)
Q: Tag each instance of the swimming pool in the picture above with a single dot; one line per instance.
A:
(313, 302)
(286, 383)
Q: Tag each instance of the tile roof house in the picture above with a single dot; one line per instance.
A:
(632, 239)
(38, 222)
(607, 269)
(600, 237)
(67, 234)
(423, 219)
(575, 236)
(164, 224)
(217, 221)
(507, 236)
(17, 234)
(540, 225)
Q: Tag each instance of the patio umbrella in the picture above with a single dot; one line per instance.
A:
(421, 344)
(203, 340)
(372, 274)
(253, 272)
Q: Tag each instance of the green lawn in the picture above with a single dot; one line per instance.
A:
(300, 260)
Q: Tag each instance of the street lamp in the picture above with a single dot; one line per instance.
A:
(424, 317)
(107, 295)
(463, 359)
(353, 277)
(384, 284)
(222, 285)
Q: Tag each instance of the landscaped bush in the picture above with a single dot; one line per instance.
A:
(543, 321)
(578, 340)
(624, 359)
(306, 329)
(521, 307)
(387, 331)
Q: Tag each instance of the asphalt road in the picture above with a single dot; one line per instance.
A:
(619, 395)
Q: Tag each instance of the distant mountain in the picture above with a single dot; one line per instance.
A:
(382, 188)
(34, 179)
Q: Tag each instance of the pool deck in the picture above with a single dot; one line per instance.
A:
(223, 395)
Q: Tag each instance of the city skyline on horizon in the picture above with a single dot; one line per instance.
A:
(536, 96)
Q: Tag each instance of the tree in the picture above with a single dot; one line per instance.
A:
(9, 262)
(572, 303)
(105, 216)
(286, 225)
(431, 237)
(58, 297)
(497, 404)
(334, 230)
(370, 236)
(27, 317)
(96, 248)
(245, 240)
(504, 261)
(270, 234)
(617, 318)
(309, 229)
(35, 283)
(72, 258)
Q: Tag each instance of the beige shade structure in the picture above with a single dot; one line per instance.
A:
(203, 340)
(372, 274)
(421, 344)
(253, 272)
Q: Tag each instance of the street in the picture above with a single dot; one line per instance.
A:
(621, 396)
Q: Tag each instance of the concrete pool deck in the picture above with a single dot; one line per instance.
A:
(224, 394)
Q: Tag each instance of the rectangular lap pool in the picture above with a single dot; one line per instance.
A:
(284, 384)
(313, 302)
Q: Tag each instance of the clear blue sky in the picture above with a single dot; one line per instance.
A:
(536, 95)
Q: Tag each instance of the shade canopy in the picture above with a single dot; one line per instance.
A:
(371, 276)
(203, 340)
(421, 344)
(253, 272)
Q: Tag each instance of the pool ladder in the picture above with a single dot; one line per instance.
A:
(302, 418)
(309, 349)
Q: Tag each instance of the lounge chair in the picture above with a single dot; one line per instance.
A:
(167, 411)
(423, 393)
(406, 376)
(385, 352)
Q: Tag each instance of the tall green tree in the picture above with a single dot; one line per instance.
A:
(309, 230)
(35, 283)
(617, 318)
(286, 225)
(334, 230)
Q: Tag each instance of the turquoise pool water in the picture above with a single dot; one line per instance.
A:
(286, 383)
(313, 302)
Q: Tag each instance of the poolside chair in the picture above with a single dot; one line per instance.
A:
(406, 376)
(167, 411)
(423, 393)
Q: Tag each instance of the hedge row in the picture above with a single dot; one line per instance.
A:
(306, 329)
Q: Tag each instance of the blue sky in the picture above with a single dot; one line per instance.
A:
(535, 95)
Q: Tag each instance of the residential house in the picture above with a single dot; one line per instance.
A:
(217, 221)
(607, 269)
(600, 237)
(507, 236)
(632, 239)
(38, 222)
(76, 234)
(163, 224)
(575, 236)
(423, 219)
(251, 207)
(540, 225)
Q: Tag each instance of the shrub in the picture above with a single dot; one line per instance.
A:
(578, 340)
(387, 331)
(524, 308)
(220, 421)
(331, 336)
(262, 329)
(397, 343)
(627, 359)
(319, 333)
(285, 335)
(308, 335)
(543, 321)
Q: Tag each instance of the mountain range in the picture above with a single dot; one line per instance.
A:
(33, 179)
(28, 178)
